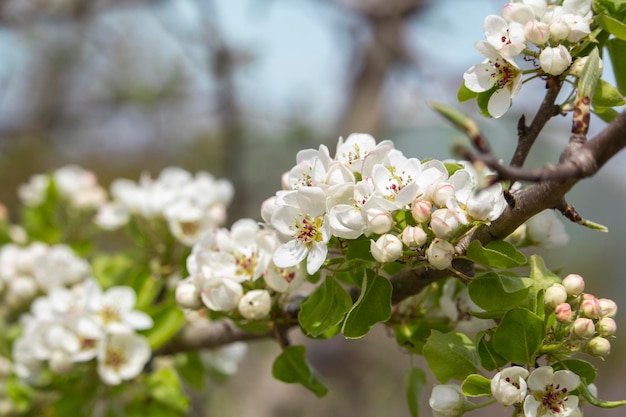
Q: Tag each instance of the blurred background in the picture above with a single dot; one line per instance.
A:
(237, 87)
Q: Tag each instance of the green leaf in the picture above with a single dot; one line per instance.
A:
(465, 94)
(580, 367)
(590, 75)
(372, 306)
(168, 319)
(489, 358)
(360, 249)
(324, 308)
(491, 291)
(415, 382)
(412, 335)
(450, 355)
(606, 95)
(542, 277)
(617, 53)
(519, 336)
(612, 25)
(164, 386)
(291, 367)
(606, 115)
(476, 386)
(497, 254)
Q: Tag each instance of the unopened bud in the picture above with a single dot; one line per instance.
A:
(420, 210)
(414, 236)
(537, 32)
(606, 327)
(442, 193)
(590, 307)
(387, 248)
(555, 295)
(255, 304)
(599, 346)
(444, 223)
(608, 308)
(563, 312)
(188, 295)
(555, 60)
(583, 328)
(574, 284)
(379, 221)
(440, 253)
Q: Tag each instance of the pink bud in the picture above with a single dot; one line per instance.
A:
(537, 32)
(583, 328)
(379, 221)
(444, 223)
(420, 210)
(563, 312)
(442, 193)
(440, 253)
(574, 284)
(387, 248)
(608, 308)
(590, 306)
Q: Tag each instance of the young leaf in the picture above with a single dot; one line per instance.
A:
(617, 53)
(590, 75)
(324, 308)
(476, 386)
(373, 306)
(489, 358)
(519, 336)
(606, 95)
(491, 291)
(612, 25)
(168, 318)
(580, 367)
(415, 382)
(165, 387)
(450, 355)
(497, 254)
(291, 367)
(465, 94)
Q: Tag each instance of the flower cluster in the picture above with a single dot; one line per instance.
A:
(547, 33)
(28, 271)
(586, 323)
(78, 185)
(78, 324)
(371, 189)
(191, 205)
(225, 264)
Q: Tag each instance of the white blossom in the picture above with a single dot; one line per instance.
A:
(508, 386)
(549, 393)
(122, 357)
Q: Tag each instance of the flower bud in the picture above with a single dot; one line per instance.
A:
(187, 294)
(599, 346)
(379, 221)
(590, 307)
(555, 60)
(559, 30)
(447, 401)
(537, 32)
(440, 253)
(413, 236)
(255, 304)
(608, 308)
(583, 328)
(444, 223)
(387, 248)
(555, 295)
(21, 290)
(443, 192)
(563, 312)
(420, 210)
(574, 285)
(508, 386)
(606, 327)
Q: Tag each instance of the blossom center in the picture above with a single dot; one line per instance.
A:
(308, 230)
(115, 358)
(503, 73)
(553, 398)
(246, 264)
(110, 315)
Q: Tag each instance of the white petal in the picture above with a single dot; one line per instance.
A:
(290, 253)
(317, 256)
(479, 78)
(499, 102)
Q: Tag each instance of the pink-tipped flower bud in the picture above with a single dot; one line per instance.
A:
(444, 223)
(563, 312)
(555, 295)
(537, 32)
(590, 307)
(606, 327)
(574, 284)
(379, 221)
(420, 210)
(583, 328)
(443, 191)
(440, 253)
(387, 248)
(414, 236)
(599, 346)
(608, 308)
